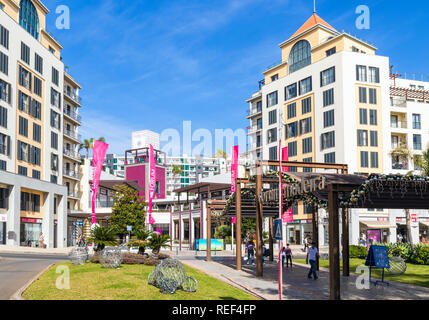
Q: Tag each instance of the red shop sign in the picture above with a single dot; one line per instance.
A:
(29, 220)
(414, 217)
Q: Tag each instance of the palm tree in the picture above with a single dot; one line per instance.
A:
(89, 144)
(176, 171)
(103, 237)
(423, 162)
(140, 239)
(156, 242)
(222, 154)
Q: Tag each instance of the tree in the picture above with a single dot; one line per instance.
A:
(248, 228)
(423, 162)
(140, 239)
(88, 144)
(176, 170)
(222, 154)
(223, 232)
(103, 237)
(128, 209)
(158, 241)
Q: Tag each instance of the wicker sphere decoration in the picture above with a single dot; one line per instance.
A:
(172, 269)
(111, 257)
(397, 266)
(190, 284)
(78, 256)
(154, 278)
(168, 286)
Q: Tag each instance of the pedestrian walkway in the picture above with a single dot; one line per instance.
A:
(296, 285)
(38, 251)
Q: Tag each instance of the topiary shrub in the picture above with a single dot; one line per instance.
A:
(132, 258)
(151, 261)
(358, 252)
(421, 254)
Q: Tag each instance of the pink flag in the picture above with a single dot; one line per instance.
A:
(152, 183)
(234, 168)
(285, 157)
(288, 216)
(234, 220)
(98, 154)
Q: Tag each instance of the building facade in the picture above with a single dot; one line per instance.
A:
(332, 99)
(34, 176)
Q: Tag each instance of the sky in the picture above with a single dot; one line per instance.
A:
(147, 64)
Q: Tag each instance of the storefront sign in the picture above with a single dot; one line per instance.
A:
(3, 217)
(399, 220)
(413, 217)
(306, 186)
(29, 220)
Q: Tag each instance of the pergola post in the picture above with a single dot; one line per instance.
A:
(259, 215)
(334, 245)
(271, 239)
(316, 231)
(180, 223)
(345, 244)
(171, 228)
(209, 232)
(238, 254)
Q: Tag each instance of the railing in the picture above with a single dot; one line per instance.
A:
(72, 154)
(399, 165)
(399, 102)
(73, 194)
(73, 96)
(102, 204)
(253, 130)
(71, 173)
(253, 112)
(73, 115)
(399, 125)
(73, 135)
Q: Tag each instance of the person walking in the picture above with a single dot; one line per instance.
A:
(250, 247)
(305, 244)
(288, 252)
(41, 240)
(312, 256)
(283, 255)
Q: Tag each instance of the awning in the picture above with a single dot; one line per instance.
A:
(378, 224)
(426, 224)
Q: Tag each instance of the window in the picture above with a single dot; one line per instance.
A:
(36, 174)
(307, 170)
(4, 37)
(372, 96)
(272, 117)
(5, 91)
(373, 117)
(55, 98)
(23, 151)
(25, 78)
(374, 159)
(54, 179)
(291, 110)
(273, 153)
(272, 135)
(364, 159)
(28, 18)
(35, 156)
(362, 138)
(23, 127)
(331, 51)
(374, 75)
(292, 149)
(4, 144)
(328, 118)
(363, 116)
(4, 63)
(25, 53)
(36, 109)
(361, 73)
(291, 91)
(306, 105)
(417, 142)
(259, 106)
(274, 77)
(38, 63)
(307, 145)
(55, 120)
(54, 162)
(37, 132)
(272, 99)
(38, 86)
(22, 171)
(55, 76)
(54, 140)
(305, 86)
(328, 140)
(3, 117)
(417, 121)
(300, 56)
(259, 123)
(362, 95)
(374, 138)
(305, 126)
(51, 50)
(330, 157)
(327, 77)
(328, 97)
(292, 130)
(3, 165)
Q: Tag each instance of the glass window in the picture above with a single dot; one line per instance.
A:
(305, 126)
(372, 96)
(328, 118)
(374, 159)
(291, 91)
(330, 52)
(272, 99)
(362, 95)
(417, 142)
(417, 121)
(4, 37)
(273, 153)
(292, 149)
(291, 110)
(292, 130)
(328, 97)
(274, 77)
(4, 63)
(362, 138)
(374, 138)
(272, 117)
(272, 135)
(328, 140)
(364, 159)
(373, 117)
(374, 75)
(361, 73)
(28, 18)
(327, 76)
(307, 145)
(300, 56)
(306, 105)
(305, 86)
(363, 116)
(330, 157)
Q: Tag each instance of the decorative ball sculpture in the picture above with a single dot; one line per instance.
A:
(169, 275)
(111, 257)
(397, 266)
(190, 284)
(78, 256)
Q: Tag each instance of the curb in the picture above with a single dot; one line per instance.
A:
(18, 295)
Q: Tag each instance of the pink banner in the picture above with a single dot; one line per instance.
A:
(152, 183)
(234, 220)
(98, 154)
(288, 216)
(234, 168)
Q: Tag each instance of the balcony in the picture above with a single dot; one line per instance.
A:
(71, 174)
(255, 147)
(252, 130)
(72, 194)
(253, 112)
(102, 204)
(74, 155)
(73, 115)
(73, 96)
(397, 165)
(399, 124)
(399, 102)
(73, 135)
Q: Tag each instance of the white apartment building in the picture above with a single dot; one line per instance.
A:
(332, 99)
(145, 138)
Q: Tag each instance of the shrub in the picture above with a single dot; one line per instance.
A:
(358, 252)
(132, 258)
(420, 254)
(162, 256)
(95, 259)
(402, 250)
(151, 261)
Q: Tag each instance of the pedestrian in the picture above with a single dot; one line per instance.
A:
(41, 240)
(250, 248)
(288, 252)
(312, 256)
(283, 255)
(264, 249)
(305, 244)
(363, 239)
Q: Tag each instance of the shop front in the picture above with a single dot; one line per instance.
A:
(424, 230)
(3, 220)
(30, 232)
(298, 230)
(376, 231)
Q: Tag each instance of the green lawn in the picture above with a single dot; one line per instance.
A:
(93, 282)
(416, 274)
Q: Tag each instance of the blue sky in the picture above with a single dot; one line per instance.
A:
(153, 64)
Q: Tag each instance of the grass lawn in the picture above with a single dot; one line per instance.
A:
(416, 274)
(93, 282)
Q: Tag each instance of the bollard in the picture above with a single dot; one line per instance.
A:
(177, 251)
